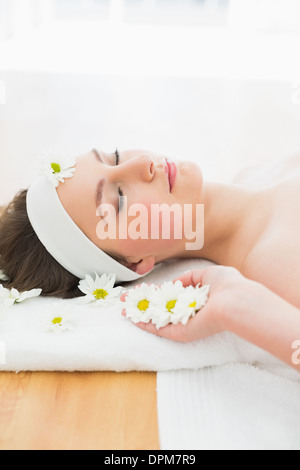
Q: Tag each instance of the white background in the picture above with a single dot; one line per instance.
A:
(213, 81)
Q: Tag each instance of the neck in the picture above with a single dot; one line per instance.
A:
(227, 208)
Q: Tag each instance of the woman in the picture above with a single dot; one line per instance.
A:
(250, 225)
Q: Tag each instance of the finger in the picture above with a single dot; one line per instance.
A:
(172, 332)
(123, 312)
(191, 278)
(151, 328)
(123, 296)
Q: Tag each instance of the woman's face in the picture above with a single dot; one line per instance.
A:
(141, 178)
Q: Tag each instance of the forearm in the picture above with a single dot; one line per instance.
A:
(265, 319)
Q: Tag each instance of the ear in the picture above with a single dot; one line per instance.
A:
(143, 266)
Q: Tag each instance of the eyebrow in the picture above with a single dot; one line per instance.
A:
(100, 186)
(99, 192)
(97, 155)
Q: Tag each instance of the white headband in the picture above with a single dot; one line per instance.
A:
(61, 237)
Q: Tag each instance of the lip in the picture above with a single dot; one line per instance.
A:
(171, 171)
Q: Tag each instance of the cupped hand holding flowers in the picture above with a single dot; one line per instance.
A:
(209, 314)
(171, 303)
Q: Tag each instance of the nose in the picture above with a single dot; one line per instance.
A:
(138, 168)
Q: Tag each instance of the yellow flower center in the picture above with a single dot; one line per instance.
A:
(57, 320)
(171, 304)
(55, 167)
(100, 294)
(143, 304)
(193, 304)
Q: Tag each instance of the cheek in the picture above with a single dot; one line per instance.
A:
(142, 248)
(150, 223)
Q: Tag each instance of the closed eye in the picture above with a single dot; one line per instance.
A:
(99, 189)
(117, 154)
(120, 192)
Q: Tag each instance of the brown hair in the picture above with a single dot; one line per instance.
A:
(25, 261)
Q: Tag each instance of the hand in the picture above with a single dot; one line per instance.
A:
(226, 286)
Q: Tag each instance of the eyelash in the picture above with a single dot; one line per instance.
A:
(117, 154)
(120, 192)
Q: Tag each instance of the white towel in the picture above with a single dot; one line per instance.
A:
(229, 407)
(104, 340)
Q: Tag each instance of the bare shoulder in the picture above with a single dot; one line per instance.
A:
(274, 262)
(269, 173)
(274, 259)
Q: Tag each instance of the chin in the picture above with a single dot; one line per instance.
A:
(191, 180)
(190, 169)
(185, 164)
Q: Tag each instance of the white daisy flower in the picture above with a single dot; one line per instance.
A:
(58, 320)
(3, 276)
(138, 303)
(190, 302)
(164, 302)
(57, 169)
(13, 296)
(100, 291)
